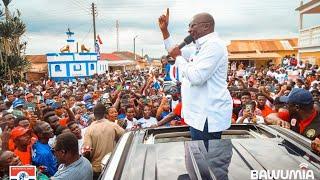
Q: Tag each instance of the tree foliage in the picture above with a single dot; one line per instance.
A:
(12, 51)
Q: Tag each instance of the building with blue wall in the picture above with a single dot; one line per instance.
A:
(67, 66)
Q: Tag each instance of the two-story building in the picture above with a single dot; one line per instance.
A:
(309, 37)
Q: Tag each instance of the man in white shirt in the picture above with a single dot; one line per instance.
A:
(206, 101)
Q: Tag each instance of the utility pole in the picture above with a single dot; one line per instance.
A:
(134, 47)
(117, 26)
(94, 13)
(142, 52)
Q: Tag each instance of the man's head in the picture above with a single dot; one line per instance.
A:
(261, 100)
(245, 97)
(53, 121)
(43, 130)
(21, 136)
(315, 95)
(11, 97)
(201, 25)
(9, 119)
(22, 121)
(300, 102)
(164, 60)
(74, 128)
(7, 159)
(99, 111)
(66, 148)
(30, 97)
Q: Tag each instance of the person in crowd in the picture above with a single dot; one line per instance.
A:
(42, 154)
(245, 98)
(7, 159)
(305, 120)
(100, 138)
(78, 132)
(72, 165)
(8, 119)
(265, 109)
(131, 121)
(22, 140)
(166, 68)
(249, 115)
(30, 104)
(147, 121)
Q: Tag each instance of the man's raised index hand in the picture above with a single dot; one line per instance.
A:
(163, 24)
(167, 16)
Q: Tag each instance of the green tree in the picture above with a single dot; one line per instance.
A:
(12, 61)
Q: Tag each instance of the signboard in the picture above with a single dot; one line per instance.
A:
(22, 172)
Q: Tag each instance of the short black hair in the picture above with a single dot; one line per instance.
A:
(60, 129)
(37, 127)
(129, 107)
(18, 119)
(245, 93)
(99, 111)
(67, 142)
(71, 123)
(260, 94)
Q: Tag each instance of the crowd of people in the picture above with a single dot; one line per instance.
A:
(66, 128)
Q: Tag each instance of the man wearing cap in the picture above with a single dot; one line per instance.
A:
(30, 105)
(22, 140)
(18, 105)
(305, 120)
(87, 98)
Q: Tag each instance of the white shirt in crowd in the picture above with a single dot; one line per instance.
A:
(204, 83)
(146, 123)
(301, 66)
(281, 77)
(130, 124)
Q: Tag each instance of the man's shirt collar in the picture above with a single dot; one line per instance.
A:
(203, 39)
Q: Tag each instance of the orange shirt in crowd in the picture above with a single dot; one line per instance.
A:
(63, 121)
(284, 115)
(177, 111)
(266, 111)
(25, 157)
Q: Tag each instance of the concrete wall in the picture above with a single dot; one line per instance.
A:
(102, 66)
(312, 57)
(34, 76)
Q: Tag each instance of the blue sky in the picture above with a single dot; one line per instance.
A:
(47, 20)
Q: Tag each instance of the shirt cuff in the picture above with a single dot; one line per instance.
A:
(167, 43)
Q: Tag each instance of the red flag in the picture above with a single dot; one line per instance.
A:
(99, 39)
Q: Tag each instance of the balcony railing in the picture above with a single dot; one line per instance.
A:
(309, 37)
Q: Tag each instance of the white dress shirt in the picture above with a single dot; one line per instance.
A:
(204, 83)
